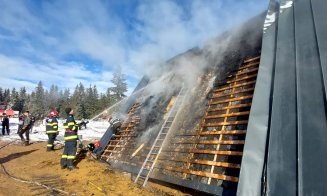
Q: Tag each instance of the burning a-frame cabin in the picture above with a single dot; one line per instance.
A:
(245, 114)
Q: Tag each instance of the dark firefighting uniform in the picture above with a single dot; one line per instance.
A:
(71, 138)
(52, 131)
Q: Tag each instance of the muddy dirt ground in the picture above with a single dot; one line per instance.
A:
(33, 163)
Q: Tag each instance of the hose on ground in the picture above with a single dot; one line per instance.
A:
(33, 182)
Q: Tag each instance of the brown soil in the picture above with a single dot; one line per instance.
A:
(33, 163)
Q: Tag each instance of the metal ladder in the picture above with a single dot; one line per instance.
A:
(156, 148)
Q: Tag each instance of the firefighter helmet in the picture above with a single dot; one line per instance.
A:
(53, 113)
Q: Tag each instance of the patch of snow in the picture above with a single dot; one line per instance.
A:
(94, 130)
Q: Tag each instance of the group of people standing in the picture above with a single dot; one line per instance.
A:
(70, 136)
(24, 126)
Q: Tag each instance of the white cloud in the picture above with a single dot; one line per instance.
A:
(157, 30)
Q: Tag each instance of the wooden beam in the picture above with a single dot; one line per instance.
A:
(125, 136)
(244, 72)
(212, 142)
(227, 115)
(230, 107)
(248, 65)
(204, 162)
(232, 132)
(242, 78)
(243, 122)
(232, 99)
(232, 94)
(198, 151)
(234, 86)
(137, 150)
(204, 174)
(251, 59)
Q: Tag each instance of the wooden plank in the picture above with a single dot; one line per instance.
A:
(233, 132)
(227, 115)
(246, 72)
(125, 131)
(232, 100)
(232, 94)
(230, 107)
(237, 73)
(117, 136)
(243, 122)
(212, 142)
(234, 86)
(242, 78)
(205, 162)
(248, 65)
(204, 174)
(251, 59)
(199, 151)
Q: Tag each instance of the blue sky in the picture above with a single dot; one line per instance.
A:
(67, 42)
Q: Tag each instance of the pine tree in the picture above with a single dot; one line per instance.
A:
(14, 99)
(22, 99)
(120, 85)
(1, 95)
(38, 101)
(6, 96)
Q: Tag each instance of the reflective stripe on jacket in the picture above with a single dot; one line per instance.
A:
(52, 125)
(71, 128)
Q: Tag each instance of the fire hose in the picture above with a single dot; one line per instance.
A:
(33, 182)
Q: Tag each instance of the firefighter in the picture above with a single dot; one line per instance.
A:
(25, 128)
(52, 129)
(71, 138)
(5, 124)
(20, 123)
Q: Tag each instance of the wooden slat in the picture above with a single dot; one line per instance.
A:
(242, 78)
(213, 142)
(117, 136)
(243, 72)
(199, 151)
(233, 132)
(204, 162)
(248, 65)
(234, 86)
(204, 174)
(125, 131)
(243, 122)
(251, 59)
(231, 100)
(230, 107)
(232, 94)
(227, 115)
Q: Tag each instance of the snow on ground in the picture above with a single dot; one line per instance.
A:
(94, 130)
